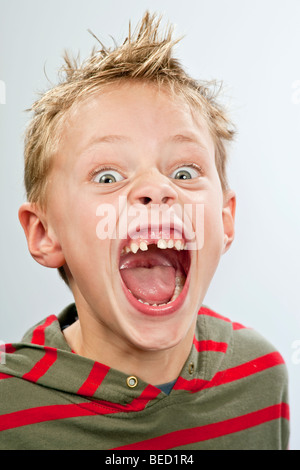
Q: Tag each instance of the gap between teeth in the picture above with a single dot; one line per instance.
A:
(162, 244)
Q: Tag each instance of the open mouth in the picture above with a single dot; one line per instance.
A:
(155, 273)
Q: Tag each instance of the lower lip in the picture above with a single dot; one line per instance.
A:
(168, 309)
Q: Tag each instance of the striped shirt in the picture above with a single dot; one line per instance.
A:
(231, 394)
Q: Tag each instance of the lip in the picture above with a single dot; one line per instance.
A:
(158, 310)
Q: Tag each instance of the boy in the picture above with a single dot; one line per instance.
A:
(125, 172)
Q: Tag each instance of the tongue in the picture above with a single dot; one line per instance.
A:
(152, 285)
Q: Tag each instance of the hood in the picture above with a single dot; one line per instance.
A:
(44, 357)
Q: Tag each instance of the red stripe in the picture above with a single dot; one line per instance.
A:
(230, 375)
(211, 431)
(41, 414)
(7, 348)
(210, 345)
(53, 412)
(194, 385)
(94, 379)
(245, 370)
(237, 326)
(5, 376)
(211, 313)
(149, 394)
(137, 404)
(42, 366)
(38, 335)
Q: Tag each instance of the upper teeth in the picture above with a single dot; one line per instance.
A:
(162, 244)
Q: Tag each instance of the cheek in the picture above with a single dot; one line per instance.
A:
(212, 228)
(74, 220)
(206, 217)
(213, 223)
(208, 257)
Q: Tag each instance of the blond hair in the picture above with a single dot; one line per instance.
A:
(145, 55)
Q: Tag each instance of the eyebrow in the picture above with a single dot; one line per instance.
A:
(189, 138)
(111, 139)
(115, 139)
(180, 138)
(108, 139)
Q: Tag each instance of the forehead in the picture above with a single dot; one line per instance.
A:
(134, 111)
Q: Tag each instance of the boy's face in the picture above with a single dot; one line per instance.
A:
(126, 148)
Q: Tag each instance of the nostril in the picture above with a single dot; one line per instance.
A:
(145, 200)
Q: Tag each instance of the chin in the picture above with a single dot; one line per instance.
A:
(157, 338)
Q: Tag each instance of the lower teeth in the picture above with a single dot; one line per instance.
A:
(179, 283)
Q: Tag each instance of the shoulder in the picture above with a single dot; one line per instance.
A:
(251, 374)
(247, 351)
(244, 338)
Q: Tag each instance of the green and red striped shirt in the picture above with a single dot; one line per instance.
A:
(231, 394)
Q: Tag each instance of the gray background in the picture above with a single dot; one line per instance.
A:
(253, 46)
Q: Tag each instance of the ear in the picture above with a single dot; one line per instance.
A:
(228, 215)
(42, 242)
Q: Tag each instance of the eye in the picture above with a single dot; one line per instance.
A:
(186, 172)
(107, 176)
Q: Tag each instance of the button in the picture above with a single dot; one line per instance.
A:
(191, 368)
(132, 381)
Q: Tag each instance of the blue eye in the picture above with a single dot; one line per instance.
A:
(107, 176)
(185, 173)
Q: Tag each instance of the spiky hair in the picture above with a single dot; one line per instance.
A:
(146, 54)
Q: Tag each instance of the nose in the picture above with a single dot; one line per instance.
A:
(153, 188)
